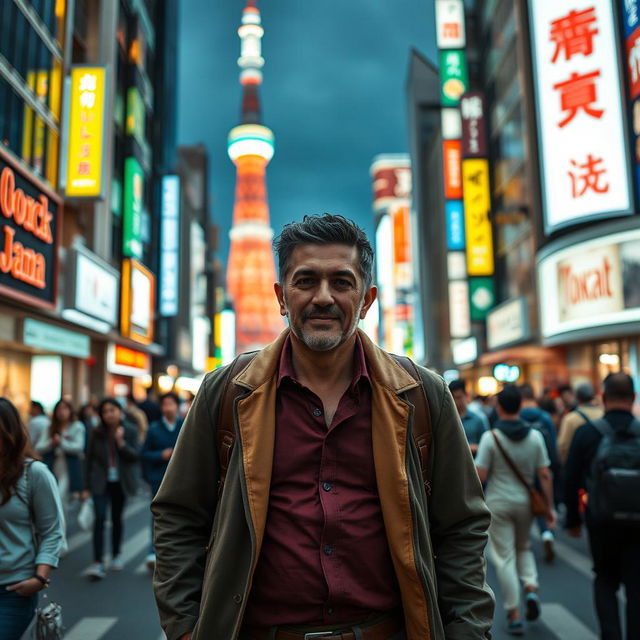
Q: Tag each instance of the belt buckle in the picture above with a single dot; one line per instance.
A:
(318, 634)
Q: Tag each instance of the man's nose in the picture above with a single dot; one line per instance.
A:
(323, 296)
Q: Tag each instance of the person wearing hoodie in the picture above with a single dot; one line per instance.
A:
(509, 503)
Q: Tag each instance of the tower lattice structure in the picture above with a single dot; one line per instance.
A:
(251, 268)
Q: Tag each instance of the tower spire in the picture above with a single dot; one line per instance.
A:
(251, 269)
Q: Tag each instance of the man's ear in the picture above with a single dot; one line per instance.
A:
(369, 298)
(277, 287)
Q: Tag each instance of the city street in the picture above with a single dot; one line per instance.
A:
(121, 607)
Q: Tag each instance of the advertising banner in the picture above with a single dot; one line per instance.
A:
(85, 152)
(402, 247)
(170, 246)
(450, 28)
(477, 205)
(459, 314)
(451, 123)
(137, 302)
(454, 212)
(133, 202)
(474, 139)
(454, 78)
(581, 121)
(29, 238)
(391, 175)
(452, 157)
(481, 297)
(591, 284)
(508, 324)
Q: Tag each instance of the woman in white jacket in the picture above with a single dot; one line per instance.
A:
(62, 445)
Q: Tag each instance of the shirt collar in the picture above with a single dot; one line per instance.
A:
(360, 371)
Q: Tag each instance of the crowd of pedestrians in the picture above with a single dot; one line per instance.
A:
(583, 458)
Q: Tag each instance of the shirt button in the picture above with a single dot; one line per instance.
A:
(317, 412)
(328, 549)
(237, 598)
(327, 486)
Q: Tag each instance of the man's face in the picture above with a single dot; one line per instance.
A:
(323, 294)
(460, 398)
(169, 409)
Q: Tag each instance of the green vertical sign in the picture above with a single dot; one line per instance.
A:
(135, 115)
(482, 297)
(133, 201)
(454, 79)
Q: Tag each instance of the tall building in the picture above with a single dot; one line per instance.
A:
(251, 268)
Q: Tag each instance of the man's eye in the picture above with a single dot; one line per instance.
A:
(303, 282)
(343, 283)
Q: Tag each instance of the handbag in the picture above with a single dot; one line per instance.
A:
(86, 515)
(538, 503)
(48, 623)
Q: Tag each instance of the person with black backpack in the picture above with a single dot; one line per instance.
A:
(604, 459)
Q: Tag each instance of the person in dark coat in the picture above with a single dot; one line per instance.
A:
(158, 448)
(110, 477)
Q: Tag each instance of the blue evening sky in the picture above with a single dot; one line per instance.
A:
(333, 94)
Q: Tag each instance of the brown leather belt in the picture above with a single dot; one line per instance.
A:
(379, 631)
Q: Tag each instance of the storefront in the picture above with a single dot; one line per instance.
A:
(591, 301)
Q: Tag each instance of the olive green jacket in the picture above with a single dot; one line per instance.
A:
(207, 548)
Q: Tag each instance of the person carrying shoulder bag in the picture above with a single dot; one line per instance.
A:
(31, 525)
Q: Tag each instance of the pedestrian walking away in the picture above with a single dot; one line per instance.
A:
(38, 423)
(157, 450)
(509, 458)
(312, 486)
(62, 447)
(29, 504)
(604, 459)
(110, 478)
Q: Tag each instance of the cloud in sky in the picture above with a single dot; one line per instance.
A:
(333, 94)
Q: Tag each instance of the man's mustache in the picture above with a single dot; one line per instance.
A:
(315, 310)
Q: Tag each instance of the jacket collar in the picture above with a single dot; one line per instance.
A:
(382, 368)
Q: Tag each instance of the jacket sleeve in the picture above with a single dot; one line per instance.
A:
(73, 442)
(459, 520)
(149, 452)
(183, 512)
(129, 451)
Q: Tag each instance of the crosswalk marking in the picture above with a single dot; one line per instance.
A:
(82, 537)
(564, 624)
(573, 558)
(90, 628)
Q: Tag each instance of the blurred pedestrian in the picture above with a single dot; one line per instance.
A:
(538, 419)
(567, 398)
(38, 422)
(158, 449)
(31, 525)
(514, 441)
(604, 458)
(110, 478)
(88, 415)
(150, 407)
(137, 417)
(474, 424)
(314, 521)
(586, 410)
(62, 448)
(186, 405)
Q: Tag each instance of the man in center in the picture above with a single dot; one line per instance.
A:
(324, 527)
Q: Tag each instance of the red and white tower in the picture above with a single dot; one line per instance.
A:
(251, 269)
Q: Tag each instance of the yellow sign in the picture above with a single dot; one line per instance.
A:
(86, 132)
(477, 205)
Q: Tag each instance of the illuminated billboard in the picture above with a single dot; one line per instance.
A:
(85, 151)
(477, 205)
(581, 120)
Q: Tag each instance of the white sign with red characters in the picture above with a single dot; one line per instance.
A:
(581, 126)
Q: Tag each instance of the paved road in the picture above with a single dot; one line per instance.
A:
(121, 607)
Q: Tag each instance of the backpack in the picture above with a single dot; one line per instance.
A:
(226, 433)
(614, 483)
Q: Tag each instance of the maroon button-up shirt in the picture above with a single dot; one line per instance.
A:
(325, 557)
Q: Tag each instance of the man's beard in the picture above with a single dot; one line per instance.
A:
(315, 341)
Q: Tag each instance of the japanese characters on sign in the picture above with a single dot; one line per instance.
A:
(583, 151)
(133, 201)
(450, 28)
(85, 152)
(28, 239)
(454, 78)
(452, 157)
(477, 205)
(474, 139)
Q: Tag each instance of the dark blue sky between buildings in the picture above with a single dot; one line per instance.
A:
(333, 94)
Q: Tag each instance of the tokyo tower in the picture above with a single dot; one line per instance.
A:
(251, 269)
